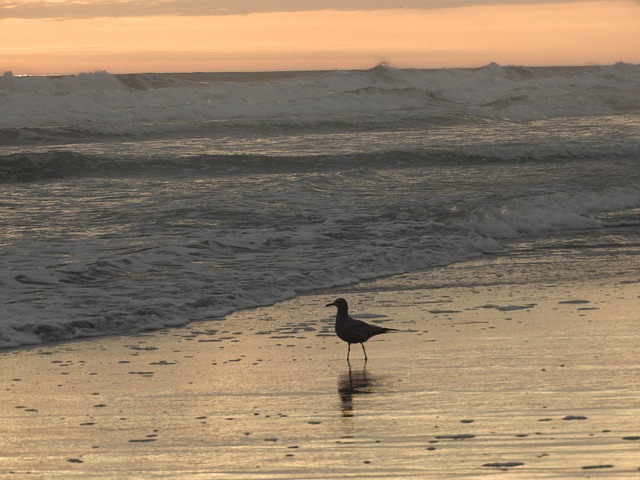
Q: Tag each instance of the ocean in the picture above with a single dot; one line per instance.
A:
(143, 201)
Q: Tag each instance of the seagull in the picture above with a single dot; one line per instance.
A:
(351, 330)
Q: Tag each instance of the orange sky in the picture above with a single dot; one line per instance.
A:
(523, 34)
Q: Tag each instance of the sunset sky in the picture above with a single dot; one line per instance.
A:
(119, 36)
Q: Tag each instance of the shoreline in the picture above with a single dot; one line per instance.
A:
(517, 370)
(611, 261)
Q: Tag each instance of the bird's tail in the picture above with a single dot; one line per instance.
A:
(385, 330)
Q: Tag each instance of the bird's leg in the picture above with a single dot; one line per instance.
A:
(348, 352)
(365, 352)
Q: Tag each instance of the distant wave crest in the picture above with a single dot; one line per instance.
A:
(146, 103)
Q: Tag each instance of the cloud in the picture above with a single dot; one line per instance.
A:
(67, 9)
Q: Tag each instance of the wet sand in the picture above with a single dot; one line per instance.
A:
(504, 364)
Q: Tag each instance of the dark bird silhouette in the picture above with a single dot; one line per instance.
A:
(351, 330)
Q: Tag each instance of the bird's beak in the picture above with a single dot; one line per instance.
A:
(330, 305)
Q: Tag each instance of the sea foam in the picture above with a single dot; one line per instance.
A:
(113, 284)
(105, 104)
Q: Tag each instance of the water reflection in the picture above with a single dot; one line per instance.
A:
(353, 383)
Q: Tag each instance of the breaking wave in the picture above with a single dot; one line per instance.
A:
(101, 104)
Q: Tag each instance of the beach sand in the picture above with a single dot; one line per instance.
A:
(505, 365)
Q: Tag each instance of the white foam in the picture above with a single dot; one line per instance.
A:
(108, 105)
(171, 279)
(551, 213)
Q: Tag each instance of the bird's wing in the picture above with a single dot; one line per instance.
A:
(365, 329)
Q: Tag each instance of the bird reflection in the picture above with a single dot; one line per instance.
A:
(353, 383)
